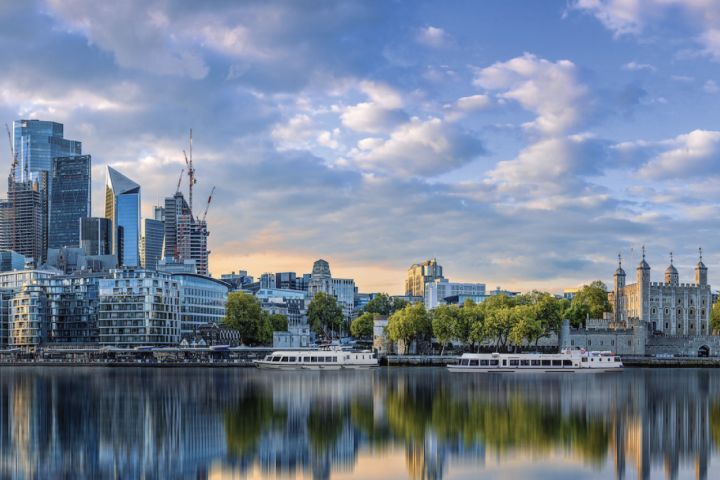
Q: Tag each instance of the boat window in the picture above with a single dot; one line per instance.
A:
(321, 359)
(464, 362)
(546, 363)
(267, 358)
(292, 359)
(535, 363)
(275, 359)
(514, 363)
(306, 359)
(504, 362)
(484, 363)
(524, 363)
(473, 363)
(617, 359)
(557, 363)
(313, 359)
(333, 359)
(584, 359)
(284, 359)
(494, 363)
(567, 363)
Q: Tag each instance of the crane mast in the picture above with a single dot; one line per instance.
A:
(191, 174)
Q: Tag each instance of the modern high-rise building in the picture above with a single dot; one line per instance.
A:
(96, 235)
(420, 274)
(152, 242)
(122, 207)
(185, 235)
(37, 142)
(69, 199)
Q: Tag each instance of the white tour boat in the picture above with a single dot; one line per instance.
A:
(567, 361)
(326, 359)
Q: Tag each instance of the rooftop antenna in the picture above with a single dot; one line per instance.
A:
(700, 252)
(671, 258)
(619, 259)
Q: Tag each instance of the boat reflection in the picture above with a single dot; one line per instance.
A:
(166, 423)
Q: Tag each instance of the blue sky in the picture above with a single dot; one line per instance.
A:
(522, 143)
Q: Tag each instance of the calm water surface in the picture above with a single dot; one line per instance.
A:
(390, 423)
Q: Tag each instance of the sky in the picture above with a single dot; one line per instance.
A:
(521, 143)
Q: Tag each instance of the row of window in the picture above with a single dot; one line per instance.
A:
(311, 359)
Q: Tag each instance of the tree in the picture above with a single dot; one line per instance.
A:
(470, 328)
(385, 305)
(362, 326)
(408, 324)
(243, 313)
(499, 323)
(444, 320)
(278, 322)
(715, 318)
(591, 300)
(325, 315)
(525, 325)
(381, 304)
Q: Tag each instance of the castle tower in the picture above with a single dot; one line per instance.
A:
(643, 281)
(701, 271)
(671, 273)
(618, 286)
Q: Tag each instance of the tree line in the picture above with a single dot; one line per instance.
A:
(500, 320)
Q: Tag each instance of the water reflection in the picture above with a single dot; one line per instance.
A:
(166, 423)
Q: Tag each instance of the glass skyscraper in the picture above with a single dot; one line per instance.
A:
(69, 199)
(152, 242)
(122, 207)
(96, 236)
(37, 142)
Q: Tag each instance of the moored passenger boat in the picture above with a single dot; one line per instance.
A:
(326, 359)
(567, 361)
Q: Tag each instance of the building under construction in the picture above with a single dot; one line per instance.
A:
(23, 218)
(185, 235)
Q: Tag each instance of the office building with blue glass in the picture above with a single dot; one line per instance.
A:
(37, 142)
(69, 199)
(122, 207)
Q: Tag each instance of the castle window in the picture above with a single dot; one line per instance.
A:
(654, 311)
(692, 302)
(692, 325)
(679, 301)
(679, 311)
(667, 311)
(667, 325)
(692, 312)
(679, 326)
(702, 312)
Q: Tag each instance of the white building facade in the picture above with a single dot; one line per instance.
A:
(436, 292)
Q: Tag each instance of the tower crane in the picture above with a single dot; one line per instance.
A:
(182, 170)
(208, 203)
(13, 155)
(191, 174)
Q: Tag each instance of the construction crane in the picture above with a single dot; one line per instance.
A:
(208, 204)
(180, 180)
(13, 155)
(191, 174)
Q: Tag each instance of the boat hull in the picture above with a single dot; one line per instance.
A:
(530, 371)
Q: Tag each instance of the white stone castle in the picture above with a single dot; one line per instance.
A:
(670, 307)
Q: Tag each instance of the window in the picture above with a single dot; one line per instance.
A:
(313, 359)
(667, 311)
(514, 363)
(484, 363)
(276, 359)
(546, 363)
(284, 359)
(464, 362)
(474, 363)
(567, 363)
(535, 363)
(494, 363)
(504, 362)
(291, 359)
(584, 359)
(524, 363)
(557, 363)
(306, 359)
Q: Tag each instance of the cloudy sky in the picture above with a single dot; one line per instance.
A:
(522, 143)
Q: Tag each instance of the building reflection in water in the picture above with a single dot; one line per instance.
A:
(168, 423)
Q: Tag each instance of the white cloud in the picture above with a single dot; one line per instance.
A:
(632, 17)
(637, 67)
(473, 103)
(296, 133)
(551, 90)
(711, 86)
(423, 148)
(381, 114)
(432, 36)
(695, 154)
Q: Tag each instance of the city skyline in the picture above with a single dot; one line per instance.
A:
(522, 146)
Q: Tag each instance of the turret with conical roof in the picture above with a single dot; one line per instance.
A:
(700, 271)
(671, 273)
(643, 280)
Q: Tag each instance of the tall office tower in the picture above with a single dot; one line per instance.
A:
(122, 207)
(24, 218)
(96, 236)
(37, 142)
(69, 200)
(152, 243)
(185, 235)
(421, 273)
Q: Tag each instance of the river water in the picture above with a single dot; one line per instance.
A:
(389, 423)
